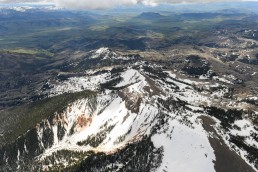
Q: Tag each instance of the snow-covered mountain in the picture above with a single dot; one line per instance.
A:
(138, 116)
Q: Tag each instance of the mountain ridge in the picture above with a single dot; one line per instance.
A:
(136, 105)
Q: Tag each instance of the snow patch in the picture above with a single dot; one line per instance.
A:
(186, 146)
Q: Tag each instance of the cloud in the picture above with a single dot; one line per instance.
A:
(103, 4)
(26, 1)
(94, 4)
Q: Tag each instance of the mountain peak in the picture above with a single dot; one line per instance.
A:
(149, 15)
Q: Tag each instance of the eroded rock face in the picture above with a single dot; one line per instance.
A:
(82, 122)
(142, 118)
(132, 100)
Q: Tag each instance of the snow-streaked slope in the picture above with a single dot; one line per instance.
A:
(182, 141)
(136, 102)
(76, 84)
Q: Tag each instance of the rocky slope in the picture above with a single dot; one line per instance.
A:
(140, 116)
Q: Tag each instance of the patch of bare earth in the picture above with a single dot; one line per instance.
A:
(152, 89)
(82, 122)
(132, 100)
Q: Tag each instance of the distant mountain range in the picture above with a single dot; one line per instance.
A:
(250, 7)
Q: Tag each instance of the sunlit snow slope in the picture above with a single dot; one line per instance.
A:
(140, 117)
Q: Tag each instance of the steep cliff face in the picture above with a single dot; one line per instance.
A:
(143, 117)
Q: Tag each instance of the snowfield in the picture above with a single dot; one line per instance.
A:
(185, 149)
